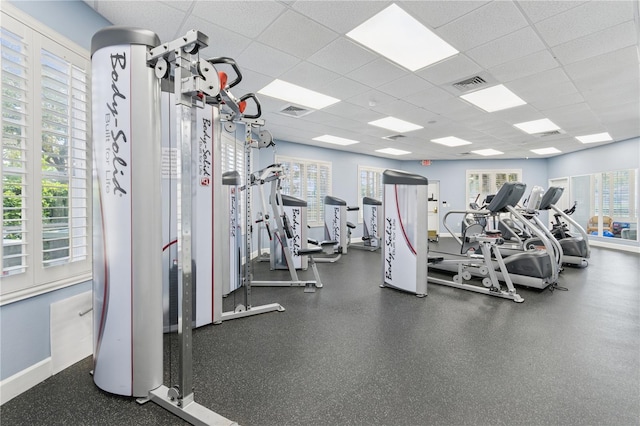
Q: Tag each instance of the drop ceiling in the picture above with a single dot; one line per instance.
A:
(573, 62)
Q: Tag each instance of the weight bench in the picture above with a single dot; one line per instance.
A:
(322, 247)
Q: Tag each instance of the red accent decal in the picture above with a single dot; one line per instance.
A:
(404, 234)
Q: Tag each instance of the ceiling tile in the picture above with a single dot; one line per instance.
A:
(405, 86)
(406, 111)
(164, 21)
(437, 13)
(251, 81)
(344, 88)
(371, 98)
(297, 35)
(429, 97)
(584, 20)
(529, 65)
(222, 42)
(183, 5)
(377, 73)
(517, 115)
(570, 116)
(608, 40)
(266, 60)
(342, 56)
(537, 10)
(609, 96)
(606, 70)
(340, 16)
(310, 76)
(563, 96)
(249, 18)
(484, 24)
(507, 48)
(355, 112)
(455, 109)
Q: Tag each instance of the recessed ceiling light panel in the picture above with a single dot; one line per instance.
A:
(398, 36)
(392, 151)
(335, 140)
(487, 152)
(494, 98)
(546, 151)
(395, 124)
(537, 126)
(451, 141)
(596, 137)
(297, 94)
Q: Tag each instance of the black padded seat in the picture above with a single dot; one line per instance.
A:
(351, 225)
(310, 250)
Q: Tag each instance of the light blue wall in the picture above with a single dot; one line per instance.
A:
(72, 19)
(452, 176)
(25, 329)
(615, 156)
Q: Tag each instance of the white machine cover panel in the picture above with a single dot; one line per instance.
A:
(202, 205)
(370, 218)
(112, 256)
(332, 223)
(400, 236)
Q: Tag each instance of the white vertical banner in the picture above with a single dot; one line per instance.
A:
(294, 213)
(399, 254)
(113, 270)
(332, 223)
(370, 220)
(203, 214)
(235, 240)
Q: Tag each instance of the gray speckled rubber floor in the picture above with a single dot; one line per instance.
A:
(356, 354)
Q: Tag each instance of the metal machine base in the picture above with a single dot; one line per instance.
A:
(191, 411)
(254, 310)
(484, 290)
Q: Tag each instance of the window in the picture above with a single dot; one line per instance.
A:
(46, 179)
(611, 195)
(308, 180)
(369, 185)
(481, 183)
(618, 189)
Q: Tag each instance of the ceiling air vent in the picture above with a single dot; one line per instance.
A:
(550, 133)
(295, 111)
(470, 83)
(393, 137)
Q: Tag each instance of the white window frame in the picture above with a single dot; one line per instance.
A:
(493, 185)
(36, 278)
(610, 209)
(315, 206)
(372, 191)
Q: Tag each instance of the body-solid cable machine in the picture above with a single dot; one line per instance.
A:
(128, 66)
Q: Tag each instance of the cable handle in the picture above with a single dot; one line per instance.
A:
(234, 65)
(256, 101)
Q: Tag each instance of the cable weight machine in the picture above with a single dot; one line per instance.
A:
(130, 67)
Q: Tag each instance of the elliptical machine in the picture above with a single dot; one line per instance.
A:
(575, 247)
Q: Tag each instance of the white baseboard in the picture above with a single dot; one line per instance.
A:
(621, 247)
(25, 380)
